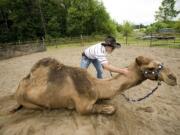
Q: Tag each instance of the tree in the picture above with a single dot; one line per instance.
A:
(33, 19)
(42, 19)
(166, 11)
(177, 26)
(160, 25)
(89, 17)
(127, 29)
(102, 21)
(150, 29)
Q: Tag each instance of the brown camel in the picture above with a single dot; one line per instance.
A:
(51, 84)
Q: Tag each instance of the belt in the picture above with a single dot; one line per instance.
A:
(83, 54)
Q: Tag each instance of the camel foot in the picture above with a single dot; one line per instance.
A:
(103, 109)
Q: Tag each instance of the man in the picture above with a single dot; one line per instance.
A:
(96, 55)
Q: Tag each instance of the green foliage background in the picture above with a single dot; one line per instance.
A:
(33, 19)
(24, 20)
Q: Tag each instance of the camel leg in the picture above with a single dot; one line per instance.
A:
(31, 105)
(86, 106)
(96, 108)
(103, 109)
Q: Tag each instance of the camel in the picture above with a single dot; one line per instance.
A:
(51, 84)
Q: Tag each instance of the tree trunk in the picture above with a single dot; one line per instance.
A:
(126, 39)
(42, 19)
(4, 18)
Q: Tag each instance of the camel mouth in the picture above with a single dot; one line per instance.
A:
(171, 77)
(171, 80)
(172, 83)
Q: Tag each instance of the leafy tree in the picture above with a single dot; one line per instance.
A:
(33, 19)
(166, 11)
(150, 29)
(23, 21)
(160, 25)
(127, 29)
(88, 17)
(102, 22)
(177, 26)
(119, 27)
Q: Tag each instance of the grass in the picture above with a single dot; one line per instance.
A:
(133, 40)
(136, 41)
(65, 45)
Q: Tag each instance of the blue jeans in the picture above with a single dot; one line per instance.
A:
(85, 62)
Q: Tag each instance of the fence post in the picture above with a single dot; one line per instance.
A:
(151, 40)
(37, 42)
(82, 43)
(126, 40)
(55, 43)
(43, 43)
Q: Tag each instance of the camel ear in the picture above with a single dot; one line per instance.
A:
(140, 60)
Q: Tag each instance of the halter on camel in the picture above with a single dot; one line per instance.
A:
(156, 74)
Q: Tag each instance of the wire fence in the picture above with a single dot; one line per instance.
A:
(83, 40)
(57, 41)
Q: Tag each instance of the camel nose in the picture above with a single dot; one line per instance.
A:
(172, 77)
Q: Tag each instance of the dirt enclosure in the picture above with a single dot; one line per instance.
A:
(157, 115)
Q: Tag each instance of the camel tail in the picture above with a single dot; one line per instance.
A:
(19, 107)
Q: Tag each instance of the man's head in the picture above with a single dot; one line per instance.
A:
(110, 44)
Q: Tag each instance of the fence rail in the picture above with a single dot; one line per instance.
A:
(65, 40)
(21, 48)
(9, 50)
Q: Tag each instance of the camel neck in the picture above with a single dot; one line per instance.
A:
(119, 83)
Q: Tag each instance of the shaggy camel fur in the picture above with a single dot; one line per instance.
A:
(50, 84)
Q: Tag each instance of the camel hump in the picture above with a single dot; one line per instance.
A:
(47, 62)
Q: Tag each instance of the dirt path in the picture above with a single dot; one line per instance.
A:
(158, 115)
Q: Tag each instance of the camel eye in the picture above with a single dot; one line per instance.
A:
(151, 68)
(160, 66)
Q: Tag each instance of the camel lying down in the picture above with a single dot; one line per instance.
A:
(50, 84)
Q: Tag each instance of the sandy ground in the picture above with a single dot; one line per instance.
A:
(157, 115)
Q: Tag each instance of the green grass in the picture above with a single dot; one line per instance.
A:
(133, 40)
(65, 45)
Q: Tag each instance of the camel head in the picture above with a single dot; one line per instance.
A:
(155, 70)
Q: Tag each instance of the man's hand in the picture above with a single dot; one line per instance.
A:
(125, 71)
(111, 68)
